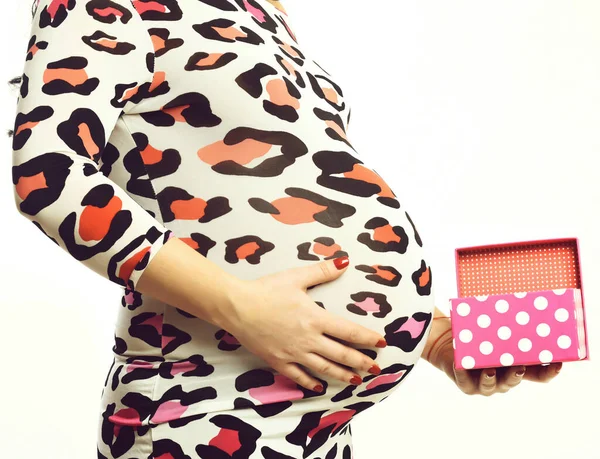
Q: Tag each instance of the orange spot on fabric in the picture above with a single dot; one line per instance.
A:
(330, 94)
(384, 273)
(142, 7)
(325, 250)
(26, 185)
(34, 49)
(296, 210)
(175, 112)
(157, 42)
(424, 278)
(190, 209)
(88, 142)
(210, 59)
(26, 125)
(241, 153)
(72, 76)
(127, 268)
(385, 234)
(130, 93)
(279, 95)
(289, 49)
(246, 250)
(94, 222)
(288, 66)
(360, 172)
(151, 155)
(229, 32)
(189, 241)
(54, 5)
(157, 79)
(108, 11)
(107, 43)
(336, 127)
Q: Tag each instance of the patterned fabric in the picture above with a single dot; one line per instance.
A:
(205, 120)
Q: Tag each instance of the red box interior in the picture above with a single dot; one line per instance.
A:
(518, 267)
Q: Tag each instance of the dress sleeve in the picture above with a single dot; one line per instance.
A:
(85, 59)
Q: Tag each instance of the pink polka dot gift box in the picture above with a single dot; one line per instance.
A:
(519, 303)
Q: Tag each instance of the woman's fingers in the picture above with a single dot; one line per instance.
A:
(346, 355)
(465, 381)
(299, 376)
(351, 332)
(487, 381)
(541, 373)
(322, 365)
(512, 376)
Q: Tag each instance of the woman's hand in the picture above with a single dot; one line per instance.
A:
(475, 381)
(274, 318)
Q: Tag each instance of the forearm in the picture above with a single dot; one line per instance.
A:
(181, 277)
(439, 337)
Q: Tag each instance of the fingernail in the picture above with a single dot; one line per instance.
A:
(375, 370)
(558, 368)
(318, 388)
(341, 262)
(356, 380)
(521, 372)
(381, 343)
(490, 374)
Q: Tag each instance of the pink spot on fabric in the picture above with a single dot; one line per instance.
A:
(385, 379)
(227, 440)
(137, 364)
(169, 411)
(338, 418)
(164, 340)
(283, 389)
(155, 321)
(230, 339)
(181, 367)
(258, 14)
(368, 305)
(413, 327)
(129, 297)
(126, 417)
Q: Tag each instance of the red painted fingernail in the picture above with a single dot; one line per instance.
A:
(341, 262)
(356, 380)
(381, 343)
(375, 370)
(318, 388)
(490, 374)
(521, 372)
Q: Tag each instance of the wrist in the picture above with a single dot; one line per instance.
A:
(225, 312)
(444, 359)
(440, 337)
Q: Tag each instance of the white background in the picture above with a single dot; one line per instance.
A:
(484, 119)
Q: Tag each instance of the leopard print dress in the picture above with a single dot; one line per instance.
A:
(206, 120)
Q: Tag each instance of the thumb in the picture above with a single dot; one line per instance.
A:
(321, 272)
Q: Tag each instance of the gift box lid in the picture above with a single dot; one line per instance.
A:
(512, 267)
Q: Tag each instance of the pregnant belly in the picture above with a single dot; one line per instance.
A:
(254, 227)
(332, 205)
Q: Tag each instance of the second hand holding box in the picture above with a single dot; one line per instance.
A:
(518, 304)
